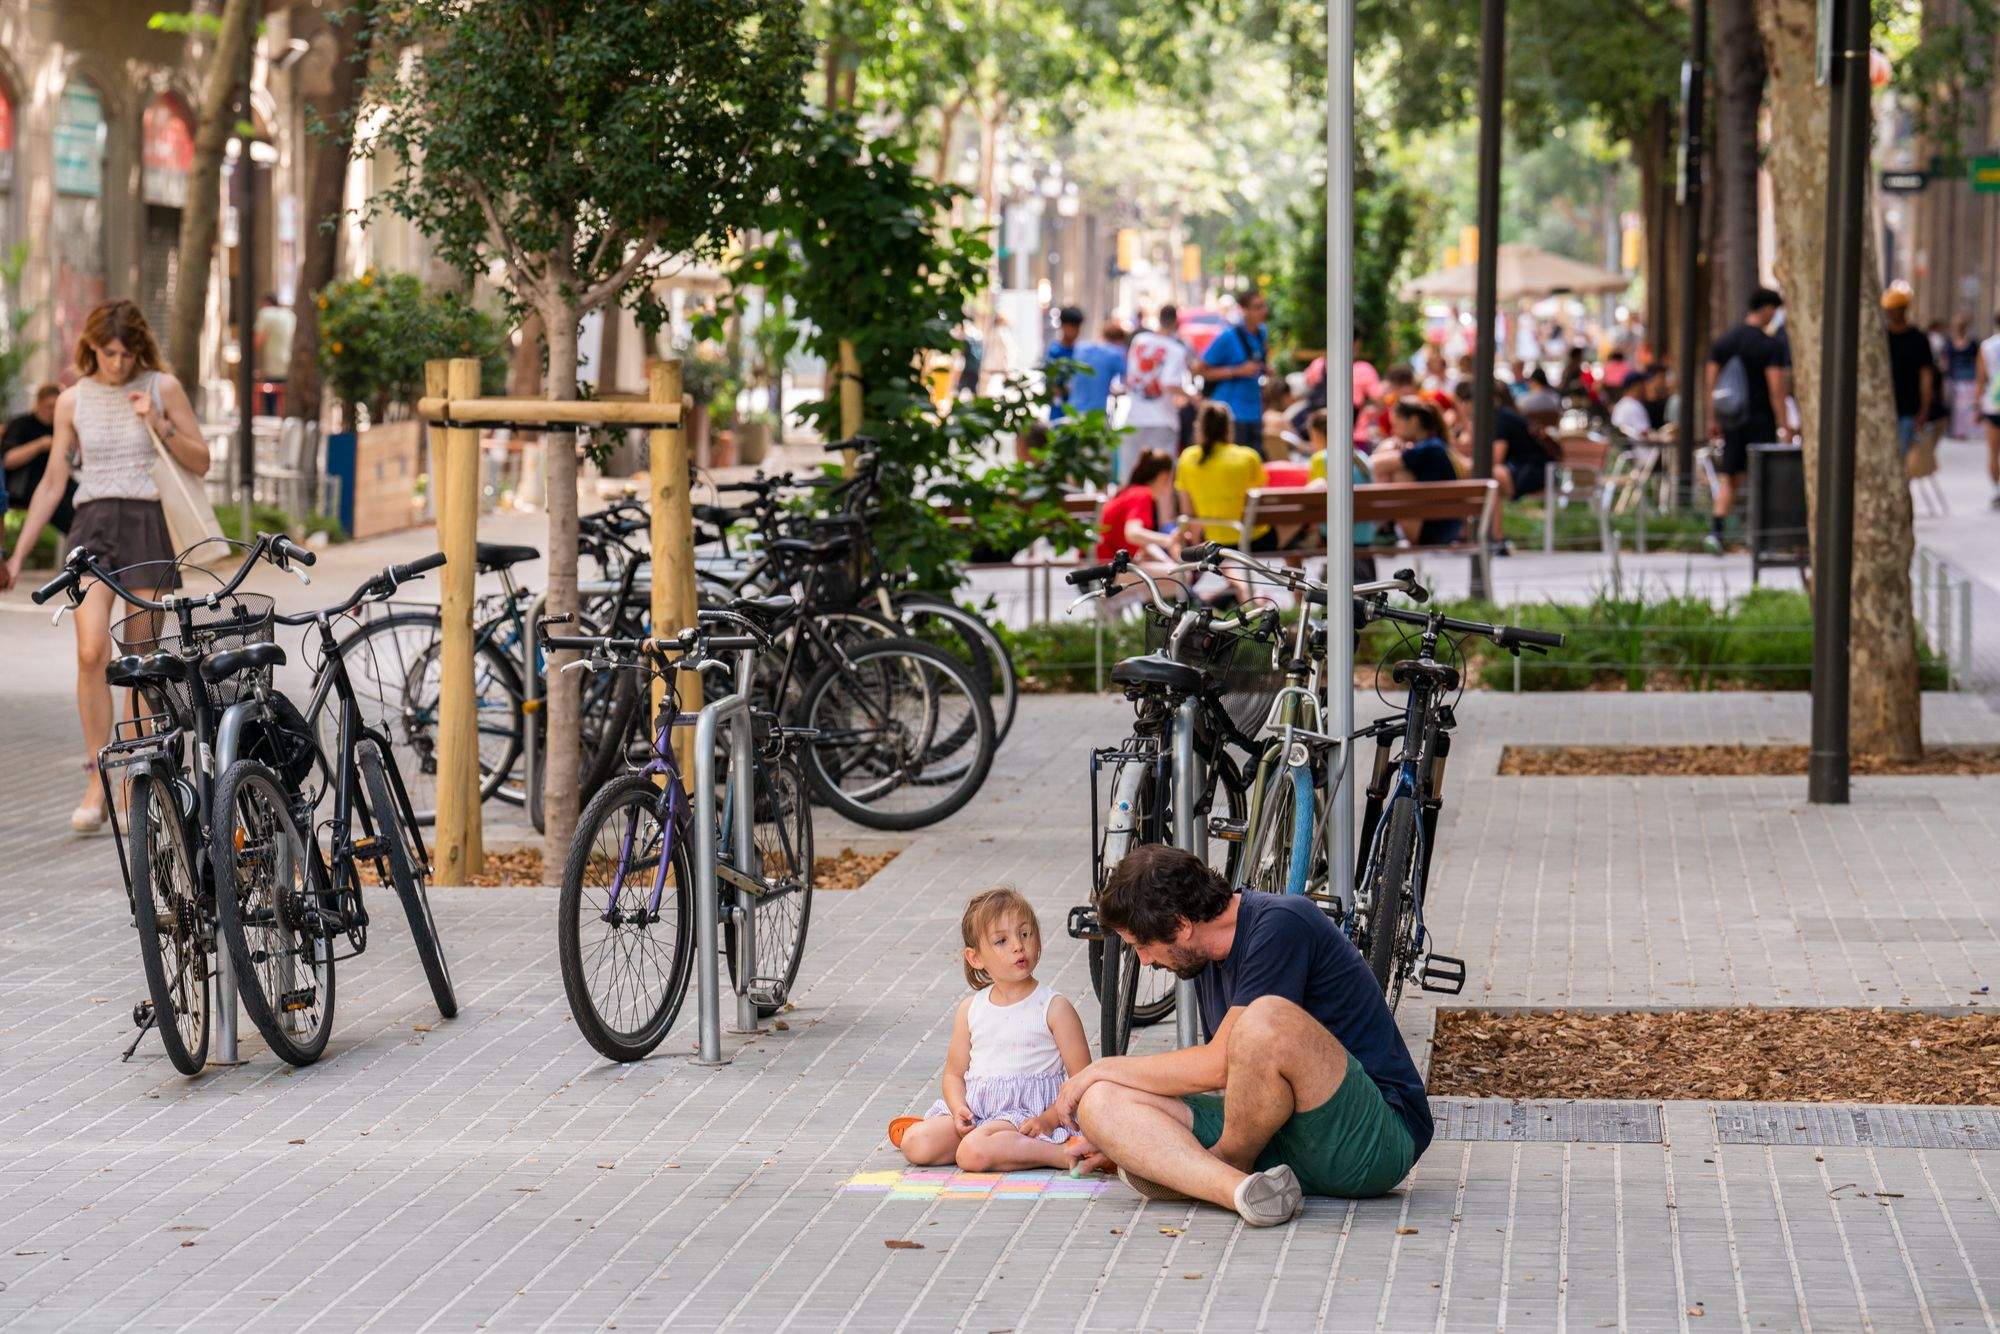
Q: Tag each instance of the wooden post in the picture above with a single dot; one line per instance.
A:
(850, 396)
(437, 384)
(459, 844)
(672, 532)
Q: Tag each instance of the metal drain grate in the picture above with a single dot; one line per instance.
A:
(1858, 1127)
(1547, 1120)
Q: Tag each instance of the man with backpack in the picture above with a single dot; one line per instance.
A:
(1749, 381)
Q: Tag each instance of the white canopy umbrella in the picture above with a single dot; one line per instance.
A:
(1525, 272)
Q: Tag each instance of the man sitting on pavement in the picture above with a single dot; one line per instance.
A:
(1304, 1086)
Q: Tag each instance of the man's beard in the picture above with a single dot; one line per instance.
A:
(1183, 963)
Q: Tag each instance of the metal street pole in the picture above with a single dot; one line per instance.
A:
(1492, 78)
(246, 320)
(1688, 378)
(1340, 432)
(1840, 334)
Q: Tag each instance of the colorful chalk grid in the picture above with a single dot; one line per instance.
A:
(947, 1184)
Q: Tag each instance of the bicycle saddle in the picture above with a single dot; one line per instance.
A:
(133, 670)
(493, 556)
(221, 666)
(770, 613)
(1157, 669)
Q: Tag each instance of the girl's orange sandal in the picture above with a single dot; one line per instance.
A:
(900, 1126)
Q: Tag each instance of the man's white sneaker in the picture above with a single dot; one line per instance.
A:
(1271, 1197)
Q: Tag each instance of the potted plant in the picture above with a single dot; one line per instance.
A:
(704, 374)
(753, 437)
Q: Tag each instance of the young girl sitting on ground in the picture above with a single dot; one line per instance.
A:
(1013, 1043)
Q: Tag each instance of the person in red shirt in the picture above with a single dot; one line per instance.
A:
(1131, 518)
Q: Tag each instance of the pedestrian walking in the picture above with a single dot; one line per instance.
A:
(24, 455)
(1961, 378)
(271, 339)
(1912, 370)
(1989, 404)
(1232, 369)
(1749, 376)
(1156, 384)
(106, 421)
(1069, 331)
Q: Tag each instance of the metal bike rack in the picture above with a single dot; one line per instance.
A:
(225, 1004)
(1188, 835)
(734, 709)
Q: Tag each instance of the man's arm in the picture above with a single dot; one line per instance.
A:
(1778, 383)
(1926, 390)
(20, 455)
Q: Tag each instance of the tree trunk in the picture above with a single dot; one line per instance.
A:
(228, 73)
(1886, 711)
(320, 254)
(563, 762)
(1656, 195)
(1739, 89)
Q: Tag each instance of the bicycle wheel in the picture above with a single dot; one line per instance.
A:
(884, 710)
(395, 666)
(963, 634)
(1378, 914)
(386, 817)
(1270, 861)
(166, 906)
(1117, 993)
(625, 923)
(266, 910)
(782, 827)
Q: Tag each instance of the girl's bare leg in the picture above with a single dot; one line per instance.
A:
(998, 1147)
(932, 1143)
(93, 696)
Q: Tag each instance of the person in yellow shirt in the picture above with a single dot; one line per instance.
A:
(1215, 476)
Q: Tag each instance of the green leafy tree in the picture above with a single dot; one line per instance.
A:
(16, 347)
(578, 147)
(859, 250)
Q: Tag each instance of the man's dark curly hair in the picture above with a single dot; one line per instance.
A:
(1154, 888)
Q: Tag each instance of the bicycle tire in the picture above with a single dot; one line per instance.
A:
(166, 908)
(1387, 878)
(407, 709)
(267, 923)
(986, 652)
(632, 795)
(387, 815)
(879, 708)
(1116, 997)
(783, 830)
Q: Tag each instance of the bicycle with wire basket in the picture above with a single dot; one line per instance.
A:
(218, 764)
(1217, 667)
(625, 919)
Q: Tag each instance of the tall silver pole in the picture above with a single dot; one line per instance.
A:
(1187, 791)
(1340, 433)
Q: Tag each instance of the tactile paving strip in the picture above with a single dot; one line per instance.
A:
(1548, 1120)
(1846, 1126)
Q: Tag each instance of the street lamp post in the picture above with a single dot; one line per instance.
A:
(1340, 433)
(1686, 423)
(1833, 537)
(1492, 78)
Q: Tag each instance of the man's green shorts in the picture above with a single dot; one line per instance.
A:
(1352, 1146)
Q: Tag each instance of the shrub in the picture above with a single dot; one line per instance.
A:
(378, 330)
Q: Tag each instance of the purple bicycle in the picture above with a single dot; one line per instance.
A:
(626, 917)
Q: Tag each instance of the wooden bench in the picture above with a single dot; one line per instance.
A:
(1041, 555)
(1379, 503)
(1579, 463)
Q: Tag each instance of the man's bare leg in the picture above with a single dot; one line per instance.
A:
(1153, 1135)
(1281, 1060)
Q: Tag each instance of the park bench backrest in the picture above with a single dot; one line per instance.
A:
(1374, 502)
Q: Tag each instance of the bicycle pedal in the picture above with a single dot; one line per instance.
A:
(768, 993)
(1226, 829)
(1083, 924)
(294, 1001)
(1442, 973)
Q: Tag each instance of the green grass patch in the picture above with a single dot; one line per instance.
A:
(1522, 523)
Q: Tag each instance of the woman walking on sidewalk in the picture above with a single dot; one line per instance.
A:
(101, 430)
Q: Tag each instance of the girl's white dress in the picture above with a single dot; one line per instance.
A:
(1016, 1068)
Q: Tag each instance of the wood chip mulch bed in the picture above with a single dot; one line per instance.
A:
(846, 869)
(1726, 761)
(1851, 1055)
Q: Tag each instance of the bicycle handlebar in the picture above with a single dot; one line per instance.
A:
(1506, 636)
(375, 586)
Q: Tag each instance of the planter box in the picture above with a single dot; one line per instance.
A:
(382, 494)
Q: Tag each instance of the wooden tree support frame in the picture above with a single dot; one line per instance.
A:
(452, 407)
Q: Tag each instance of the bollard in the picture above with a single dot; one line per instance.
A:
(1923, 588)
(1965, 633)
(225, 1006)
(707, 904)
(1941, 598)
(743, 792)
(1187, 792)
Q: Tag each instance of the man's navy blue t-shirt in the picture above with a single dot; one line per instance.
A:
(1286, 946)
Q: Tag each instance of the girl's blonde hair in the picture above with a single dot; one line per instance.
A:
(984, 910)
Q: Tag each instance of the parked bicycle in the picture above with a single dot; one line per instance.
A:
(625, 920)
(219, 766)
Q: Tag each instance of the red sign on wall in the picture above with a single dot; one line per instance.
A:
(167, 151)
(6, 140)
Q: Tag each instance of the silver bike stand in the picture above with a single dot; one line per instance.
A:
(1190, 836)
(734, 709)
(225, 1005)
